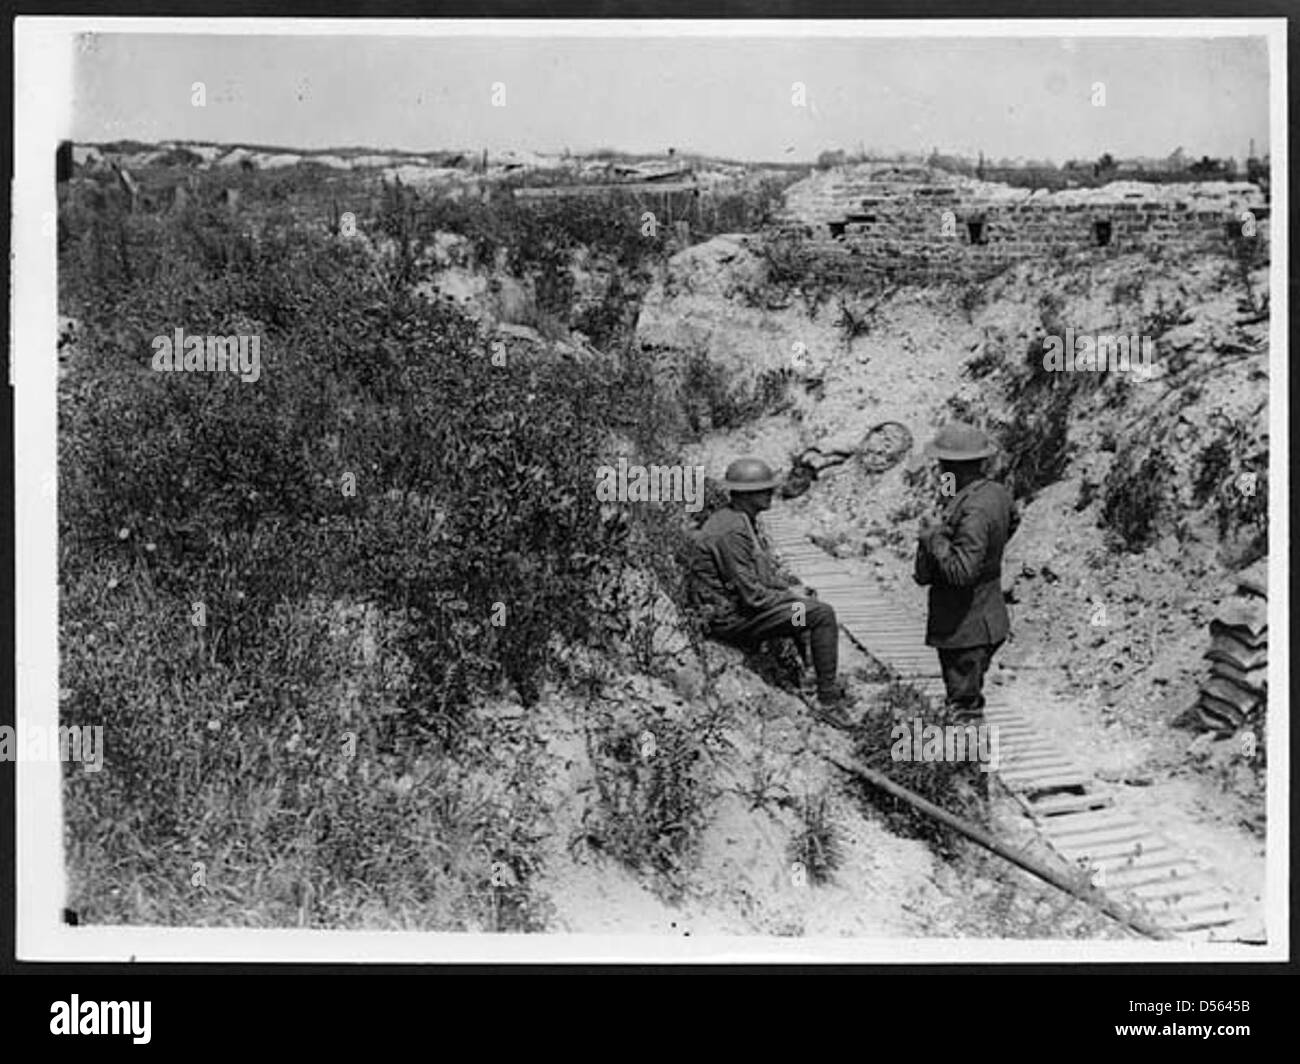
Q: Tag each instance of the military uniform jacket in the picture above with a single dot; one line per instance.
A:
(734, 575)
(961, 562)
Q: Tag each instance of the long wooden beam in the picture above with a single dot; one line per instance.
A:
(1088, 895)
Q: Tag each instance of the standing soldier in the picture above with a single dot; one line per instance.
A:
(960, 559)
(745, 597)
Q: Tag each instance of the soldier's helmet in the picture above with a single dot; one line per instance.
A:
(960, 442)
(749, 474)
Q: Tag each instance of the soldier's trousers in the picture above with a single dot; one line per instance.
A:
(818, 622)
(963, 677)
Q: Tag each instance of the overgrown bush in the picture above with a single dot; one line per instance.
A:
(1136, 496)
(1232, 476)
(948, 784)
(652, 793)
(1035, 440)
(716, 402)
(817, 844)
(382, 459)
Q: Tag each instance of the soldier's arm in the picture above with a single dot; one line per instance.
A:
(957, 556)
(784, 578)
(922, 571)
(738, 564)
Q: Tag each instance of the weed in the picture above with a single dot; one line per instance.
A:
(650, 811)
(1136, 498)
(970, 299)
(988, 361)
(853, 324)
(817, 844)
(946, 784)
(381, 461)
(1036, 441)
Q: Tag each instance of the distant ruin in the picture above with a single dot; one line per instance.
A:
(915, 218)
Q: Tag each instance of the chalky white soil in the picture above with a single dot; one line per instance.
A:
(1109, 691)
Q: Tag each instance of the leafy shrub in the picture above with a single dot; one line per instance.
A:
(853, 323)
(1035, 440)
(380, 459)
(945, 783)
(1232, 476)
(988, 361)
(817, 845)
(652, 797)
(970, 299)
(716, 402)
(1136, 497)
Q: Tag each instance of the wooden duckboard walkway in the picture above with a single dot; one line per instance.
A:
(1082, 824)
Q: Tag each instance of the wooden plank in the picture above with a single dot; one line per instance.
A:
(1035, 760)
(1199, 923)
(1102, 820)
(1172, 888)
(1044, 783)
(1215, 898)
(1083, 821)
(1024, 756)
(1153, 872)
(1101, 840)
(1063, 804)
(1032, 776)
(1121, 848)
(1127, 862)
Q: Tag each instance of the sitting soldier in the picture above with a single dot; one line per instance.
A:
(745, 597)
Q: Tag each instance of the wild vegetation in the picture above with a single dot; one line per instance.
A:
(220, 538)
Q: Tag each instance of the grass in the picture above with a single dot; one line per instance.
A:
(256, 772)
(817, 845)
(653, 794)
(946, 784)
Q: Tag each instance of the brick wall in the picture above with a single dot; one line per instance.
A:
(930, 223)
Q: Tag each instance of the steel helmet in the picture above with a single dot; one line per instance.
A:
(960, 442)
(750, 474)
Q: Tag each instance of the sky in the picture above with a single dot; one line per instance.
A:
(727, 96)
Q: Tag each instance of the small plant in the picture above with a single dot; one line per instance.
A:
(1127, 292)
(1234, 479)
(1137, 498)
(1163, 316)
(945, 783)
(716, 403)
(817, 844)
(988, 361)
(650, 811)
(1247, 254)
(971, 298)
(852, 324)
(1036, 440)
(1088, 491)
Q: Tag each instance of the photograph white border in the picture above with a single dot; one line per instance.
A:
(43, 54)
